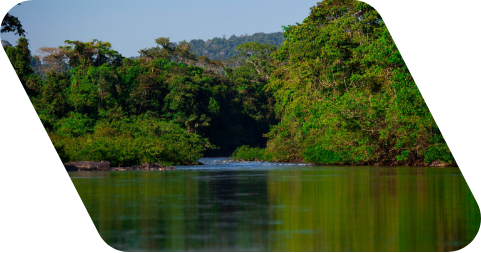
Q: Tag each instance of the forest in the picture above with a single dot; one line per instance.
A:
(333, 89)
(226, 49)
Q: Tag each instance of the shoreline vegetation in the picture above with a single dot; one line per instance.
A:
(250, 154)
(333, 90)
(246, 153)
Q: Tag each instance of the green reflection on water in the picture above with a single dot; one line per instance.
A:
(294, 209)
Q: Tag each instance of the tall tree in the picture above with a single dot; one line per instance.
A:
(93, 53)
(12, 24)
(20, 58)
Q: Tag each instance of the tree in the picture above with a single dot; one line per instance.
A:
(20, 58)
(94, 53)
(167, 50)
(258, 55)
(54, 59)
(54, 95)
(12, 24)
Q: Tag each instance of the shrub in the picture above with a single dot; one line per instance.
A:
(249, 154)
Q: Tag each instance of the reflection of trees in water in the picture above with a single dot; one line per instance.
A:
(310, 209)
(184, 210)
(372, 209)
(241, 207)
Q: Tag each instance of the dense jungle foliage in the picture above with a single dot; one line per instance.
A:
(345, 96)
(167, 106)
(337, 91)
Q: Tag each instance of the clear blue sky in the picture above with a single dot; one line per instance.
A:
(134, 25)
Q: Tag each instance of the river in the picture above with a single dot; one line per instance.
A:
(259, 206)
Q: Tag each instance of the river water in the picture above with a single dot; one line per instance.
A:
(259, 206)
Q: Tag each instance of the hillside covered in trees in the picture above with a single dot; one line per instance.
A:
(226, 48)
(337, 91)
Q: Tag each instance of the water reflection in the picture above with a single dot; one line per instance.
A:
(262, 207)
(87, 174)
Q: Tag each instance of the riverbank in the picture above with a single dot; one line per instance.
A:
(246, 153)
(105, 166)
(436, 163)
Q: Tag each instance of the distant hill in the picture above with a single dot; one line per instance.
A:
(222, 48)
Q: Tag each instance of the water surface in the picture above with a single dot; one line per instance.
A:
(257, 206)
